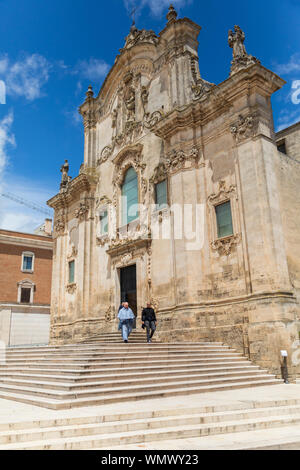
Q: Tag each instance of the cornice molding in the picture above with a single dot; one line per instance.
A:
(27, 242)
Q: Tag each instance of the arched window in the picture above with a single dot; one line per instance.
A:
(129, 197)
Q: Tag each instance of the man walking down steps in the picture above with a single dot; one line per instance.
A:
(149, 320)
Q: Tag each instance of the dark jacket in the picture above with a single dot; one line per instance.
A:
(148, 314)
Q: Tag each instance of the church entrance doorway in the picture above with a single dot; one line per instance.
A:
(128, 287)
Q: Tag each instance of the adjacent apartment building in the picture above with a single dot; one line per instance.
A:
(25, 286)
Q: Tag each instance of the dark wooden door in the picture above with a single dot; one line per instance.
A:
(128, 287)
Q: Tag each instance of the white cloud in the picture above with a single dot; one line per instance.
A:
(26, 76)
(6, 139)
(92, 69)
(293, 65)
(157, 7)
(73, 116)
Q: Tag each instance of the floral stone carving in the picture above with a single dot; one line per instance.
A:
(225, 246)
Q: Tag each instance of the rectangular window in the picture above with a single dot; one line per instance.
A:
(281, 147)
(25, 295)
(161, 197)
(224, 219)
(27, 263)
(104, 222)
(71, 272)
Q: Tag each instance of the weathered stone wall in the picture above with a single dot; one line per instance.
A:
(288, 174)
(291, 136)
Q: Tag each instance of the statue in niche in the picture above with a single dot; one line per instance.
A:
(129, 99)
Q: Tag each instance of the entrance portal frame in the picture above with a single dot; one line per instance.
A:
(137, 253)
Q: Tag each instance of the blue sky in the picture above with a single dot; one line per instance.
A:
(50, 51)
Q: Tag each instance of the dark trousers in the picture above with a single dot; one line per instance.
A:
(150, 325)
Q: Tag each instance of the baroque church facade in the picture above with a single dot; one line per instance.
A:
(160, 141)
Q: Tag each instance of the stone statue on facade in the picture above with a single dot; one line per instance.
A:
(240, 57)
(65, 178)
(129, 100)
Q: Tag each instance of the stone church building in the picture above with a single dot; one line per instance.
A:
(169, 156)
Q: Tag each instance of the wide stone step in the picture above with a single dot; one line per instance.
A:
(119, 362)
(123, 397)
(126, 382)
(110, 390)
(128, 433)
(126, 355)
(78, 377)
(98, 355)
(117, 349)
(93, 345)
(114, 369)
(94, 427)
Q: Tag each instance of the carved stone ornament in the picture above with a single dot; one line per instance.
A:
(152, 119)
(102, 201)
(225, 246)
(240, 59)
(200, 87)
(172, 14)
(244, 128)
(132, 131)
(129, 158)
(89, 119)
(125, 259)
(177, 159)
(72, 253)
(103, 240)
(223, 194)
(59, 225)
(105, 154)
(71, 288)
(144, 95)
(137, 36)
(109, 315)
(160, 174)
(81, 212)
(139, 234)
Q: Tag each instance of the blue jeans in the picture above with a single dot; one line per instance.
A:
(126, 327)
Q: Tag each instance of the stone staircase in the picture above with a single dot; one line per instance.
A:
(271, 424)
(107, 371)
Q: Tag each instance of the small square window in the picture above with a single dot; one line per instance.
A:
(27, 263)
(281, 147)
(71, 272)
(161, 195)
(25, 295)
(224, 220)
(104, 222)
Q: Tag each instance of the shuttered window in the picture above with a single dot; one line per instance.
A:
(71, 272)
(27, 263)
(129, 197)
(224, 220)
(161, 197)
